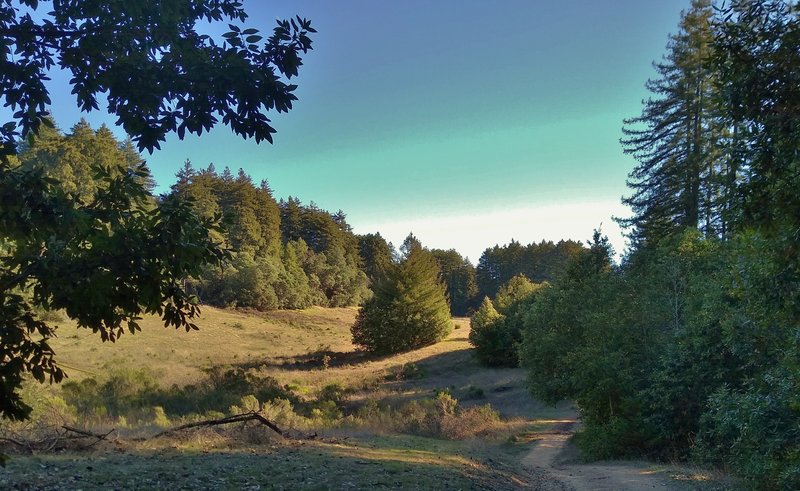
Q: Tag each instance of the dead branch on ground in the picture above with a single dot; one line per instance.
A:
(88, 434)
(239, 418)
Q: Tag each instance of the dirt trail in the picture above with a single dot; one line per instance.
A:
(547, 459)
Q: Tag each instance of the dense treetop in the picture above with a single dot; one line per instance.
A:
(409, 308)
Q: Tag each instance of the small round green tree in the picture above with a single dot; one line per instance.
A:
(514, 290)
(495, 334)
(409, 309)
(485, 316)
(485, 327)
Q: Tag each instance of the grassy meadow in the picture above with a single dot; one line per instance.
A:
(431, 418)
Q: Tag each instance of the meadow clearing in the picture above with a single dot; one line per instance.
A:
(428, 419)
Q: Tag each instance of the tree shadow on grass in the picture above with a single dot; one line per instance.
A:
(314, 360)
(460, 373)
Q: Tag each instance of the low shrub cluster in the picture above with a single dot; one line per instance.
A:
(131, 396)
(439, 417)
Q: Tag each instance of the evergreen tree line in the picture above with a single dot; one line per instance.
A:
(72, 160)
(537, 262)
(689, 348)
(284, 255)
(465, 285)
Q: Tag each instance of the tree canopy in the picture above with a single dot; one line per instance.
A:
(112, 252)
(689, 348)
(158, 73)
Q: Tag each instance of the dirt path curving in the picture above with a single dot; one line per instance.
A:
(547, 459)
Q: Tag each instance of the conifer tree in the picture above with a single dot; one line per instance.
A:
(485, 316)
(377, 255)
(487, 335)
(409, 309)
(676, 183)
(516, 289)
(458, 274)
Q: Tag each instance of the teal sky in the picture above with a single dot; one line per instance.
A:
(468, 122)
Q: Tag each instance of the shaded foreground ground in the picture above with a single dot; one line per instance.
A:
(529, 450)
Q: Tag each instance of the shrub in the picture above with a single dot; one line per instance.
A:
(756, 431)
(411, 371)
(438, 417)
(126, 392)
(469, 422)
(247, 404)
(281, 412)
(474, 392)
(336, 392)
(134, 396)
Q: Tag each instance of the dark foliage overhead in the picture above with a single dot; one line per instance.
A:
(147, 58)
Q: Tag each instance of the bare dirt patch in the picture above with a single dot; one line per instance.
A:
(552, 457)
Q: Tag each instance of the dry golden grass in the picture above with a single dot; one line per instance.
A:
(305, 349)
(225, 338)
(288, 345)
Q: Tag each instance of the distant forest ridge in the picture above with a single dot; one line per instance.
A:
(283, 254)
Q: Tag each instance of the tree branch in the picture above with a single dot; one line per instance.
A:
(239, 418)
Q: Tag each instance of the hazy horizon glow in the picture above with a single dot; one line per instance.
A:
(466, 123)
(497, 227)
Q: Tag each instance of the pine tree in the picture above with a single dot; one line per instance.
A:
(485, 316)
(676, 139)
(458, 274)
(74, 159)
(377, 255)
(487, 335)
(758, 57)
(409, 309)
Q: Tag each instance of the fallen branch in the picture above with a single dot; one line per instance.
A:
(88, 434)
(24, 446)
(239, 418)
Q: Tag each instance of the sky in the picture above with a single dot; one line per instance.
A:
(468, 123)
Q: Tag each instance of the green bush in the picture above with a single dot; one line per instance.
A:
(496, 334)
(474, 392)
(336, 393)
(222, 388)
(134, 396)
(615, 438)
(756, 431)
